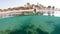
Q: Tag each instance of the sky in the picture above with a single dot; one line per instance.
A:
(15, 3)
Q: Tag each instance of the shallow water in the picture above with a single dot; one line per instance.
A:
(33, 24)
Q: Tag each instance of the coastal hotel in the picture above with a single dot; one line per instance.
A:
(28, 8)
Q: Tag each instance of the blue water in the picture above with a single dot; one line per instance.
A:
(33, 24)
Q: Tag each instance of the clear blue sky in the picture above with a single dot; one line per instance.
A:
(15, 3)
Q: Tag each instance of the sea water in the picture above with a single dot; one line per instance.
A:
(32, 24)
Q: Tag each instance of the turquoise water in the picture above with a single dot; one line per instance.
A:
(33, 24)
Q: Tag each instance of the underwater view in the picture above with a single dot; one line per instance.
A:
(32, 24)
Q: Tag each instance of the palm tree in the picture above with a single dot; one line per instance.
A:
(5, 10)
(53, 7)
(1, 10)
(10, 9)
